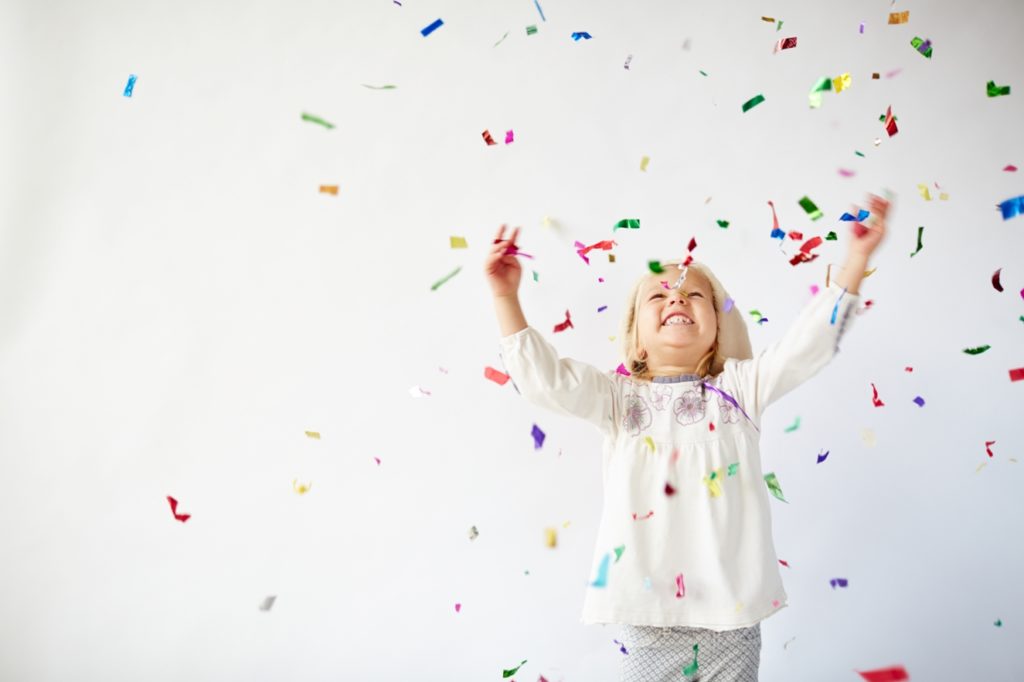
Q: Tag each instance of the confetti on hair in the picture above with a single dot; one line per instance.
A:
(174, 510)
(977, 350)
(509, 137)
(438, 283)
(130, 86)
(895, 673)
(316, 119)
(691, 669)
(513, 671)
(655, 267)
(488, 139)
(643, 518)
(785, 44)
(875, 399)
(776, 232)
(581, 34)
(922, 46)
(538, 437)
(773, 485)
(602, 572)
(268, 602)
(562, 326)
(630, 223)
(494, 375)
(728, 305)
(427, 30)
(890, 122)
(301, 488)
(1011, 208)
(899, 17)
(621, 369)
(752, 102)
(920, 245)
(840, 582)
(329, 189)
(822, 457)
(794, 426)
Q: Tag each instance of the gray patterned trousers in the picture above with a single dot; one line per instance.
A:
(659, 654)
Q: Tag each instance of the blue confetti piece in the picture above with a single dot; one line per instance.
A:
(580, 34)
(602, 572)
(131, 86)
(539, 10)
(861, 216)
(835, 311)
(1012, 208)
(433, 27)
(778, 234)
(821, 457)
(920, 401)
(538, 437)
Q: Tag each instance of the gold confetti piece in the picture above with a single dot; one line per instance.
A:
(313, 434)
(643, 163)
(980, 467)
(943, 196)
(711, 481)
(329, 189)
(875, 75)
(841, 83)
(650, 442)
(770, 20)
(925, 194)
(868, 436)
(458, 242)
(611, 257)
(899, 17)
(301, 488)
(550, 537)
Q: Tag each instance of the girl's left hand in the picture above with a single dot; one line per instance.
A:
(868, 237)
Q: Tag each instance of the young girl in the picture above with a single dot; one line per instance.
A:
(684, 557)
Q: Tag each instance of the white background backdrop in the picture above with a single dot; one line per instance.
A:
(180, 303)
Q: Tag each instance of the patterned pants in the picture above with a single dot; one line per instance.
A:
(659, 654)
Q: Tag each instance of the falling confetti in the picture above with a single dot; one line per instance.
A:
(1011, 208)
(890, 122)
(438, 283)
(680, 587)
(774, 487)
(513, 671)
(174, 510)
(538, 437)
(316, 119)
(602, 572)
(995, 280)
(537, 4)
(899, 17)
(894, 674)
(752, 102)
(840, 582)
(630, 223)
(919, 401)
(988, 449)
(977, 351)
(268, 602)
(458, 242)
(488, 139)
(313, 434)
(301, 488)
(785, 44)
(920, 233)
(379, 87)
(473, 533)
(629, 58)
(810, 208)
(458, 607)
(1017, 374)
(329, 189)
(822, 457)
(550, 537)
(643, 166)
(130, 86)
(494, 375)
(794, 426)
(580, 34)
(427, 30)
(874, 398)
(509, 137)
(418, 392)
(531, 29)
(562, 326)
(622, 647)
(923, 46)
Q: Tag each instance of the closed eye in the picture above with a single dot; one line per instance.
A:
(656, 296)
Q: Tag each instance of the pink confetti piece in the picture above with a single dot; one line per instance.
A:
(458, 608)
(621, 369)
(1010, 168)
(846, 173)
(643, 518)
(377, 459)
(728, 305)
(784, 563)
(494, 375)
(893, 73)
(509, 137)
(814, 290)
(680, 587)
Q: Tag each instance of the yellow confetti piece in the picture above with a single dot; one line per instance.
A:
(643, 163)
(566, 524)
(650, 442)
(925, 194)
(980, 467)
(550, 537)
(868, 273)
(301, 488)
(458, 242)
(899, 17)
(841, 83)
(329, 189)
(739, 606)
(711, 481)
(943, 196)
(611, 338)
(868, 436)
(313, 434)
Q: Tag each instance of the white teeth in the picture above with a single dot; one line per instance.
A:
(677, 319)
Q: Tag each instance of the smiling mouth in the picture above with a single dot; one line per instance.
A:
(677, 319)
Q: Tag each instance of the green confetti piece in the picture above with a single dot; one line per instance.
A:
(380, 87)
(702, 73)
(722, 223)
(733, 468)
(502, 38)
(882, 118)
(920, 232)
(618, 552)
(859, 153)
(810, 208)
(534, 275)
(918, 43)
(752, 102)
(756, 313)
(824, 84)
(998, 623)
(977, 351)
(774, 487)
(530, 30)
(794, 426)
(629, 223)
(435, 285)
(1022, 318)
(779, 27)
(316, 119)
(997, 90)
(513, 671)
(831, 237)
(655, 266)
(691, 669)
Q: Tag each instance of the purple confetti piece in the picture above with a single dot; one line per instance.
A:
(727, 306)
(579, 251)
(920, 401)
(538, 437)
(433, 27)
(602, 309)
(862, 27)
(841, 582)
(821, 457)
(729, 399)
(622, 647)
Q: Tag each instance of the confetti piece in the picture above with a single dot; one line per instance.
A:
(920, 401)
(860, 217)
(920, 233)
(711, 481)
(835, 309)
(977, 351)
(805, 255)
(329, 189)
(629, 58)
(890, 122)
(1017, 374)
(494, 375)
(379, 87)
(998, 623)
(809, 207)
(794, 427)
(899, 17)
(458, 607)
(618, 552)
(509, 137)
(427, 30)
(538, 437)
(580, 34)
(643, 518)
(773, 486)
(702, 72)
(473, 533)
(728, 305)
(301, 488)
(841, 582)
(823, 84)
(776, 232)
(174, 510)
(840, 83)
(1010, 168)
(562, 326)
(846, 173)
(669, 490)
(649, 442)
(438, 283)
(130, 85)
(621, 369)
(530, 30)
(316, 119)
(785, 44)
(513, 671)
(537, 4)
(630, 223)
(458, 242)
(377, 459)
(987, 448)
(691, 669)
(502, 39)
(784, 563)
(894, 674)
(723, 223)
(786, 645)
(874, 398)
(550, 537)
(680, 587)
(268, 602)
(997, 90)
(689, 259)
(821, 457)
(602, 572)
(1012, 208)
(733, 469)
(418, 392)
(831, 237)
(752, 102)
(923, 190)
(770, 20)
(622, 647)
(861, 31)
(922, 46)
(643, 166)
(655, 266)
(602, 309)
(487, 138)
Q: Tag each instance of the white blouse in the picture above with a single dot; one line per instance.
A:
(685, 533)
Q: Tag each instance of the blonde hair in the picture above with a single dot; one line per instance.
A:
(637, 365)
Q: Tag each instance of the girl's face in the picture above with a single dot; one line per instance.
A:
(676, 326)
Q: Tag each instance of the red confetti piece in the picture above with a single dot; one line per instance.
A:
(908, 369)
(775, 222)
(1017, 374)
(643, 518)
(890, 123)
(680, 587)
(805, 256)
(174, 510)
(562, 326)
(494, 375)
(795, 236)
(874, 399)
(711, 426)
(897, 673)
(1010, 168)
(377, 459)
(987, 448)
(689, 251)
(995, 280)
(487, 137)
(784, 563)
(669, 490)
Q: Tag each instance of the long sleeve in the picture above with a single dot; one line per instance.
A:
(807, 346)
(563, 385)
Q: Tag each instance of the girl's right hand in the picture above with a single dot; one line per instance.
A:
(502, 269)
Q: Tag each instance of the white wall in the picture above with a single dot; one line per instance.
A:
(179, 304)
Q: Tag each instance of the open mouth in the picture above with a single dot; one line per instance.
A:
(676, 319)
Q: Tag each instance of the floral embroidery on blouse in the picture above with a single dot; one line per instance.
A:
(636, 416)
(661, 395)
(728, 412)
(689, 408)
